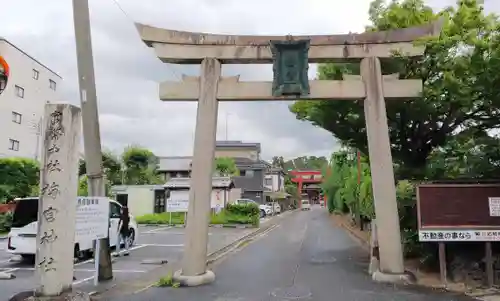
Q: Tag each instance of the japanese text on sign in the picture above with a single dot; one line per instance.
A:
(50, 189)
(459, 235)
(494, 204)
(92, 218)
(177, 205)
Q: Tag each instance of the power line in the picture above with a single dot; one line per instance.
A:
(170, 67)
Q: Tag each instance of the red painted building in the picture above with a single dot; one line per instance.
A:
(308, 182)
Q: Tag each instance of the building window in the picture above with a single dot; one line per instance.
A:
(36, 74)
(13, 145)
(268, 182)
(249, 173)
(16, 117)
(52, 84)
(19, 92)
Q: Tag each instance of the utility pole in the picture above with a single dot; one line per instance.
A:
(90, 121)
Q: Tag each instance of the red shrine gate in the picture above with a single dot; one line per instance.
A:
(308, 182)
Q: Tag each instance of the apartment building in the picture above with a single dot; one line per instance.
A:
(30, 86)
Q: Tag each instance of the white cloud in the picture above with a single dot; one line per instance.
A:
(127, 72)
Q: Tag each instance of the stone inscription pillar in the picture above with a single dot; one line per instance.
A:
(57, 204)
(384, 190)
(195, 247)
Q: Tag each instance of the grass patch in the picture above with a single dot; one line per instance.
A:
(230, 215)
(167, 281)
(176, 218)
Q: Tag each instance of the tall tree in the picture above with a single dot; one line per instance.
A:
(19, 177)
(461, 83)
(140, 166)
(278, 162)
(111, 164)
(226, 166)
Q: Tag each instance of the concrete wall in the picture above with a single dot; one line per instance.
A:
(37, 93)
(140, 198)
(234, 194)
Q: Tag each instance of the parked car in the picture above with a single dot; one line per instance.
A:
(264, 209)
(276, 208)
(22, 235)
(305, 205)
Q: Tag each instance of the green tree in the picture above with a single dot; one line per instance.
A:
(111, 165)
(461, 84)
(278, 162)
(19, 177)
(139, 165)
(226, 166)
(135, 166)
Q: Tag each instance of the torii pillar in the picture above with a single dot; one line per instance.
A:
(211, 50)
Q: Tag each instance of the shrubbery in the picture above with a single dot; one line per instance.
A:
(345, 195)
(232, 214)
(5, 222)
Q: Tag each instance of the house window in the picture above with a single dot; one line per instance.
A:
(268, 182)
(249, 173)
(16, 117)
(52, 84)
(19, 92)
(36, 74)
(13, 145)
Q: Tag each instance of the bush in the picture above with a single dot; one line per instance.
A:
(232, 214)
(246, 209)
(346, 196)
(5, 222)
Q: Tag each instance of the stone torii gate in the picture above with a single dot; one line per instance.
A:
(290, 56)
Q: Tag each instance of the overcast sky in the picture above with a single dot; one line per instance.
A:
(128, 72)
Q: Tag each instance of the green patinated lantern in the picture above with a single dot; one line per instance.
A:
(290, 66)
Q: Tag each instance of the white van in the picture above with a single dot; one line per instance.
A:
(22, 235)
(305, 205)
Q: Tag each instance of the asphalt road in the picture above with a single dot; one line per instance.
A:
(304, 258)
(153, 245)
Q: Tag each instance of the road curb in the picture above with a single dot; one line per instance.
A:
(137, 286)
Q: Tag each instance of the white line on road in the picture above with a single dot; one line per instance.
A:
(81, 262)
(117, 271)
(83, 280)
(89, 270)
(155, 230)
(162, 245)
(168, 233)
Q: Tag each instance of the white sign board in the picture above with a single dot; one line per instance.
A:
(459, 235)
(178, 201)
(92, 218)
(494, 203)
